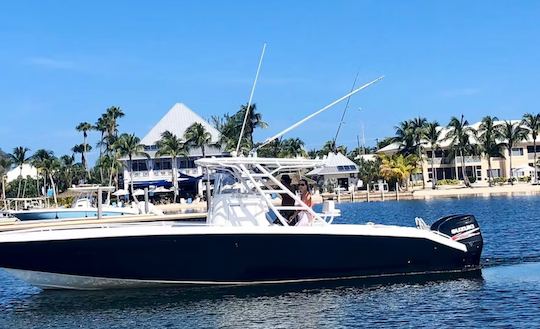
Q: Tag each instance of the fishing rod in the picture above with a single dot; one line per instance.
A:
(268, 140)
(250, 99)
(343, 116)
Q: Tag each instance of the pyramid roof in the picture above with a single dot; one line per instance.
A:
(177, 120)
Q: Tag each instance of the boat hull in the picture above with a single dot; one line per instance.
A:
(117, 262)
(65, 214)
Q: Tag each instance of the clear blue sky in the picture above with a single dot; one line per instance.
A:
(63, 62)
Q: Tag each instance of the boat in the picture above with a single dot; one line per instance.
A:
(85, 205)
(239, 244)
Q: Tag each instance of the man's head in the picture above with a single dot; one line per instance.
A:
(286, 179)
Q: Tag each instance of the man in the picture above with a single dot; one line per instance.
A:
(286, 200)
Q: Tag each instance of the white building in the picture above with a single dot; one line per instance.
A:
(157, 171)
(27, 170)
(448, 167)
(336, 168)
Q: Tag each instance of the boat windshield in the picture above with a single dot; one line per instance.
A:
(226, 182)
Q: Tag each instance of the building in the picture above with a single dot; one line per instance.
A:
(27, 170)
(157, 171)
(476, 166)
(336, 170)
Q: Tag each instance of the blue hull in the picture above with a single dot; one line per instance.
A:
(65, 214)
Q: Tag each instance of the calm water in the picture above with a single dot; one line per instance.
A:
(507, 294)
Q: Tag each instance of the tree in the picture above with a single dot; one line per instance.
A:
(51, 165)
(19, 158)
(112, 114)
(82, 149)
(130, 145)
(84, 127)
(418, 133)
(433, 136)
(171, 145)
(369, 171)
(512, 133)
(197, 136)
(293, 147)
(254, 120)
(5, 163)
(272, 149)
(532, 122)
(398, 166)
(38, 160)
(459, 135)
(101, 126)
(487, 142)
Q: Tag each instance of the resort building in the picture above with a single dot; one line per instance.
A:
(157, 171)
(476, 166)
(337, 171)
(27, 170)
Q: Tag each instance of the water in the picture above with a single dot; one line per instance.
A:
(507, 294)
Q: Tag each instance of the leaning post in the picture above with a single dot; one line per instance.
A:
(397, 192)
(146, 201)
(367, 193)
(99, 203)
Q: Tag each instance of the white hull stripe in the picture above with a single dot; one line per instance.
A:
(165, 229)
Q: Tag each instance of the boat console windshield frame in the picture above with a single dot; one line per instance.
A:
(254, 175)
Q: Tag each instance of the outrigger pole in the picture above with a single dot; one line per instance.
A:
(317, 113)
(250, 99)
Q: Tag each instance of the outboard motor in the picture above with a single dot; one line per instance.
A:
(464, 229)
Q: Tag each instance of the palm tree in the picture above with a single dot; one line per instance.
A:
(111, 116)
(67, 163)
(37, 161)
(82, 148)
(459, 135)
(19, 158)
(84, 127)
(254, 120)
(405, 136)
(171, 145)
(398, 166)
(532, 122)
(101, 126)
(511, 133)
(433, 135)
(418, 133)
(293, 147)
(197, 136)
(487, 141)
(272, 149)
(5, 163)
(51, 165)
(130, 145)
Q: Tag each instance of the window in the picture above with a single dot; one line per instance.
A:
(495, 173)
(162, 164)
(139, 165)
(517, 151)
(530, 149)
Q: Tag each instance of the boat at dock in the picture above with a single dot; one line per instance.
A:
(87, 204)
(239, 243)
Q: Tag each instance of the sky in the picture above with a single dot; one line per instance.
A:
(62, 63)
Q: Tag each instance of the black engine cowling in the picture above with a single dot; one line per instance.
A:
(464, 229)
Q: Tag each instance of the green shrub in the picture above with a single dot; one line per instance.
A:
(448, 182)
(472, 179)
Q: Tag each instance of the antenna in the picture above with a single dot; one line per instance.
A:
(343, 114)
(268, 140)
(250, 99)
